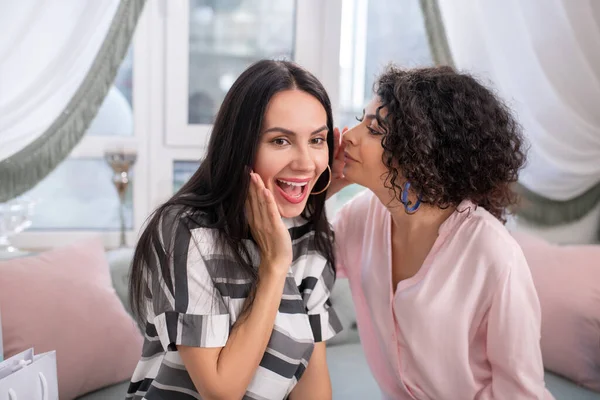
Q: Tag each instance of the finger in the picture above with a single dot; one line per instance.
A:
(336, 142)
(338, 169)
(344, 130)
(340, 154)
(271, 208)
(253, 198)
(268, 206)
(260, 196)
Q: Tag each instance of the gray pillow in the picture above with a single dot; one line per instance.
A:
(119, 261)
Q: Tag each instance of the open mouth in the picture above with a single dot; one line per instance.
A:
(292, 191)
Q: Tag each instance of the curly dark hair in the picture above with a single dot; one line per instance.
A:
(450, 137)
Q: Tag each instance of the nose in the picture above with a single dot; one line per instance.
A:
(303, 160)
(351, 137)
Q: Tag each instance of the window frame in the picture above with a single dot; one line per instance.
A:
(156, 85)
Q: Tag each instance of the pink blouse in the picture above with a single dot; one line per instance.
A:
(466, 326)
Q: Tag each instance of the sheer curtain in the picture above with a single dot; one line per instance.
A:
(57, 62)
(543, 57)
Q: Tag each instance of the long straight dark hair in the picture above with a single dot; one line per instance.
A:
(219, 187)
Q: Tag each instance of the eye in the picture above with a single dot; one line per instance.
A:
(317, 140)
(280, 141)
(374, 132)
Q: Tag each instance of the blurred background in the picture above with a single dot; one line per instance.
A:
(178, 58)
(183, 57)
(106, 107)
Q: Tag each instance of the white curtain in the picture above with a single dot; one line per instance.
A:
(543, 57)
(46, 51)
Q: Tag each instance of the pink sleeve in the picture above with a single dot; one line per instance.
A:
(514, 329)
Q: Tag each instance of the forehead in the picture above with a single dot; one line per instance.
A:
(373, 105)
(294, 108)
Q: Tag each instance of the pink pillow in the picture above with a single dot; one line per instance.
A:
(567, 279)
(63, 300)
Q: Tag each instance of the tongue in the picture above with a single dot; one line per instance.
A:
(290, 190)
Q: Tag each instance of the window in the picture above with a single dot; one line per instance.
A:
(79, 193)
(185, 57)
(219, 41)
(115, 117)
(182, 172)
(373, 34)
(224, 39)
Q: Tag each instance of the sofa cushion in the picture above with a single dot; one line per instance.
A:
(64, 300)
(116, 391)
(567, 279)
(119, 261)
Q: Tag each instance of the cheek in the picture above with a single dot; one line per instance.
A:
(372, 153)
(266, 164)
(321, 161)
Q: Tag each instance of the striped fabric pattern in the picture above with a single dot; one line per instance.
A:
(201, 299)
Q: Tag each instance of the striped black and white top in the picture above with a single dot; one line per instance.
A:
(202, 298)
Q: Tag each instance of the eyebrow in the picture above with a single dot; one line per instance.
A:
(368, 116)
(292, 133)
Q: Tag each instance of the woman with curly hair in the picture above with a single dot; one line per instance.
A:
(445, 302)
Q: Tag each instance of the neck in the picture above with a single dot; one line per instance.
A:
(426, 220)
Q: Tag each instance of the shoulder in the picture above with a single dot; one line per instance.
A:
(486, 241)
(176, 215)
(181, 235)
(363, 200)
(176, 221)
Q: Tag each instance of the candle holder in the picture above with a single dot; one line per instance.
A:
(121, 163)
(15, 217)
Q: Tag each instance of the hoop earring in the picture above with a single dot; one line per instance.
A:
(404, 200)
(328, 183)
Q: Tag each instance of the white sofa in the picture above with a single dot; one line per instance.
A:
(350, 374)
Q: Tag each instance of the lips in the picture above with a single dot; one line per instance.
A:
(349, 157)
(293, 190)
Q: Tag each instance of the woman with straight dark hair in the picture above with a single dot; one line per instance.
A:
(231, 307)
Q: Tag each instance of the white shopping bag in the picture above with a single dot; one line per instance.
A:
(26, 376)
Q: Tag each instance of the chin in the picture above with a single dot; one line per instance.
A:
(351, 176)
(290, 210)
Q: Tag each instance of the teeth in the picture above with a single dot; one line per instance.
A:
(293, 183)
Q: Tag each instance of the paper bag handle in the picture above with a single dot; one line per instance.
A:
(13, 396)
(44, 386)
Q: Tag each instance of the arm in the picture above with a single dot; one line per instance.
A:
(513, 346)
(324, 323)
(226, 372)
(315, 383)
